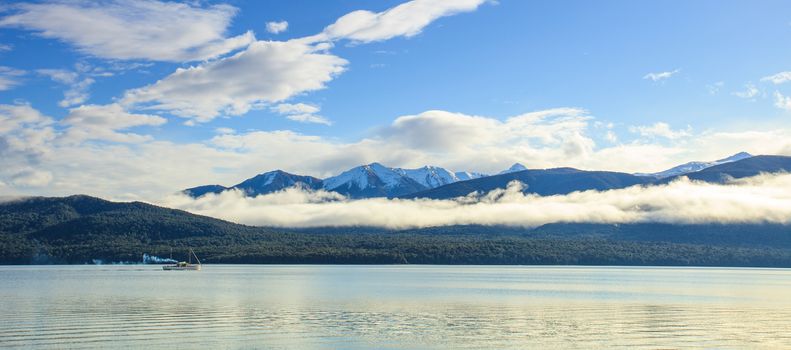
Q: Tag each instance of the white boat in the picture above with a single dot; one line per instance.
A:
(185, 265)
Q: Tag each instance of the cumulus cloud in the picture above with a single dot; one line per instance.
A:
(102, 122)
(779, 78)
(276, 27)
(9, 77)
(407, 19)
(764, 198)
(661, 129)
(660, 76)
(143, 29)
(266, 72)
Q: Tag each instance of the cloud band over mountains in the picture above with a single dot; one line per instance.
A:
(760, 199)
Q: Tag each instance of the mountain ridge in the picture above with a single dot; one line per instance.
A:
(377, 180)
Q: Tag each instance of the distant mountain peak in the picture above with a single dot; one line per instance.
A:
(514, 168)
(735, 157)
(694, 166)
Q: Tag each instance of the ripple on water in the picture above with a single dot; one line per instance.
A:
(397, 307)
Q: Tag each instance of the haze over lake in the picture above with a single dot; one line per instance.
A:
(308, 306)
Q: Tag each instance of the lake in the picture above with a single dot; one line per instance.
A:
(309, 306)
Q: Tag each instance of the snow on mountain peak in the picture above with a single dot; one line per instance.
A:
(514, 168)
(376, 174)
(692, 167)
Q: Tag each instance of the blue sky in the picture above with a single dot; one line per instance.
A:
(628, 86)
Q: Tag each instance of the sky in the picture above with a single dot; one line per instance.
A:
(140, 99)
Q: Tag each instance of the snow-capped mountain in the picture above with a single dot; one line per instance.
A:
(466, 175)
(372, 180)
(377, 180)
(260, 184)
(365, 181)
(692, 167)
(429, 176)
(514, 168)
(275, 181)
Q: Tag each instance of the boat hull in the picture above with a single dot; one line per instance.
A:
(182, 268)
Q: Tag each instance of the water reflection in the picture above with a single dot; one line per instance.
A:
(399, 307)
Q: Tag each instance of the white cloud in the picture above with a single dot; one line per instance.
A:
(764, 198)
(31, 178)
(142, 29)
(26, 138)
(62, 76)
(298, 108)
(715, 87)
(266, 72)
(660, 75)
(77, 93)
(102, 122)
(301, 112)
(276, 27)
(224, 131)
(661, 129)
(14, 118)
(9, 77)
(407, 19)
(309, 118)
(782, 102)
(611, 136)
(749, 92)
(778, 78)
(6, 47)
(141, 167)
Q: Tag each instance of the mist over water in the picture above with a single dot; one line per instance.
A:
(759, 199)
(393, 307)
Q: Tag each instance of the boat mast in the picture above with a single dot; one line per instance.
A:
(196, 257)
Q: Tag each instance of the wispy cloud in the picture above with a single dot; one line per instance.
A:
(268, 72)
(715, 87)
(660, 76)
(778, 78)
(9, 77)
(301, 112)
(661, 129)
(143, 29)
(407, 19)
(102, 122)
(750, 91)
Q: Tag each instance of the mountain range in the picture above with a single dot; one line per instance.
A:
(377, 180)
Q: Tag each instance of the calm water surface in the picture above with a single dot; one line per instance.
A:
(244, 306)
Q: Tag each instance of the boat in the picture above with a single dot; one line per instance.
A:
(185, 265)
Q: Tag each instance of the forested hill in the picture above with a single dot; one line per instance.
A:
(82, 229)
